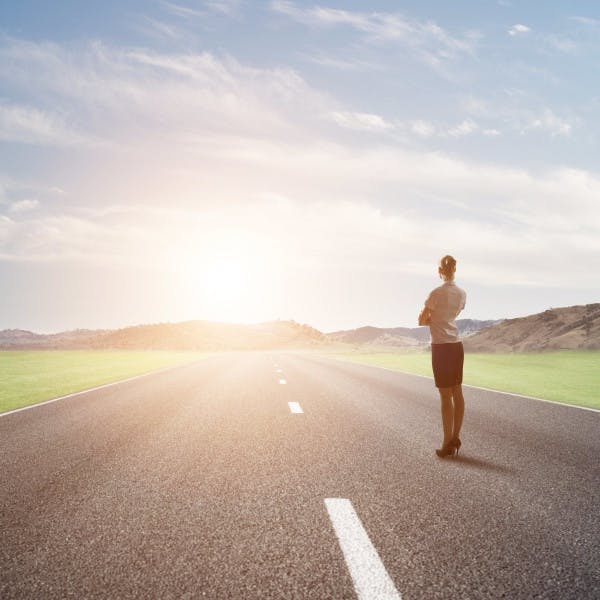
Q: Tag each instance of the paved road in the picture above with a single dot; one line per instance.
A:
(200, 482)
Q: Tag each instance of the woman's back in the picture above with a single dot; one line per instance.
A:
(445, 303)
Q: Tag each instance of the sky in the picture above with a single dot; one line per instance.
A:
(247, 161)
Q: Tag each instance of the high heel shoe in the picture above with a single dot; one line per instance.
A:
(457, 444)
(446, 450)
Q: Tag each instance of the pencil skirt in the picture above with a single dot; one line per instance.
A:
(447, 361)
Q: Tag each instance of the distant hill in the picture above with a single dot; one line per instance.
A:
(572, 327)
(22, 339)
(189, 335)
(400, 336)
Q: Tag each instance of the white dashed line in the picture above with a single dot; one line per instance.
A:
(282, 381)
(295, 407)
(371, 580)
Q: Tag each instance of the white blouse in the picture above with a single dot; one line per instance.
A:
(445, 303)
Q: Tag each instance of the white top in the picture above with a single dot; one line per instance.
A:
(445, 303)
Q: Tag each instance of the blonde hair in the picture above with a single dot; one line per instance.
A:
(447, 267)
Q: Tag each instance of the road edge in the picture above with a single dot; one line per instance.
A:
(98, 387)
(475, 387)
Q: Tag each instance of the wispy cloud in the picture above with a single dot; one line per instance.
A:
(547, 42)
(467, 127)
(422, 128)
(343, 64)
(25, 205)
(559, 43)
(224, 7)
(426, 39)
(521, 114)
(169, 93)
(551, 123)
(589, 21)
(361, 121)
(159, 29)
(180, 10)
(518, 29)
(30, 125)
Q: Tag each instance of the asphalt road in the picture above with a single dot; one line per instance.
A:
(200, 482)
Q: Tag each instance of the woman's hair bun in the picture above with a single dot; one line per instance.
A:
(448, 264)
(448, 261)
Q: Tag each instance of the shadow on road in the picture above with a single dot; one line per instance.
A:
(477, 463)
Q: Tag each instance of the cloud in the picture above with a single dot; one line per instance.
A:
(361, 121)
(551, 123)
(465, 128)
(589, 21)
(160, 30)
(491, 132)
(422, 128)
(226, 7)
(180, 10)
(428, 41)
(560, 43)
(518, 29)
(203, 144)
(24, 205)
(141, 94)
(515, 116)
(30, 125)
(356, 236)
(351, 64)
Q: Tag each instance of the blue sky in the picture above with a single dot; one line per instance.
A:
(244, 161)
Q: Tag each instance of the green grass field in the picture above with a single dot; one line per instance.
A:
(571, 376)
(29, 377)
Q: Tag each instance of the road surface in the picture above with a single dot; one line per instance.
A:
(288, 475)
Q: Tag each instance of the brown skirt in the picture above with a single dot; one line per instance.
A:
(447, 362)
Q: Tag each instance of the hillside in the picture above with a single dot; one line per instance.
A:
(572, 327)
(189, 335)
(400, 336)
(21, 339)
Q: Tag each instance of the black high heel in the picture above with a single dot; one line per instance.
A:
(446, 450)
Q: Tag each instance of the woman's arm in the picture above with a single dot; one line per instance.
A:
(425, 316)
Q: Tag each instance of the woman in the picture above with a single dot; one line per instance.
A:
(447, 355)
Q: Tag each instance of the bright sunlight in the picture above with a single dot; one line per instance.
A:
(229, 275)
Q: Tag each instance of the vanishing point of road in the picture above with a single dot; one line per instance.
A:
(290, 475)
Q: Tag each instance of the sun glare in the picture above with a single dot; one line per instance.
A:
(225, 279)
(231, 277)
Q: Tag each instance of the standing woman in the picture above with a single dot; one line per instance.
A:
(442, 307)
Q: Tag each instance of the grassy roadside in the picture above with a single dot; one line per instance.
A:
(30, 377)
(571, 376)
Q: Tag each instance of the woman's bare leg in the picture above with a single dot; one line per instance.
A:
(447, 410)
(459, 409)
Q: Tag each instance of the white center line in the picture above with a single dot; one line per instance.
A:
(282, 381)
(295, 407)
(371, 580)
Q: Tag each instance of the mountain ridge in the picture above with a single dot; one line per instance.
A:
(402, 336)
(566, 328)
(573, 327)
